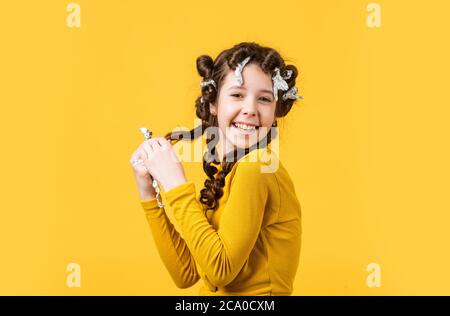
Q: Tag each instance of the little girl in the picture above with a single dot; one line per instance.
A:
(242, 235)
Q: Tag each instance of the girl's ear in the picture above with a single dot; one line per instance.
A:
(213, 108)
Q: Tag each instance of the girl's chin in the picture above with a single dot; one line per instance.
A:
(238, 138)
(242, 143)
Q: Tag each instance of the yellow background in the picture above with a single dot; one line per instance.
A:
(367, 148)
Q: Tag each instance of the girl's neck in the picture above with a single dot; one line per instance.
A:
(223, 147)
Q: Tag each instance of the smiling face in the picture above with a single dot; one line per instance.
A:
(245, 113)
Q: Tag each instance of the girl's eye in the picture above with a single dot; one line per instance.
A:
(238, 95)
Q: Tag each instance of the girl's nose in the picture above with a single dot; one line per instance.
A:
(250, 107)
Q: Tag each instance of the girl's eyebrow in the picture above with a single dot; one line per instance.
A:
(239, 87)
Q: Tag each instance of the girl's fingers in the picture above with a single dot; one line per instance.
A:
(142, 154)
(163, 142)
(146, 146)
(149, 146)
(138, 154)
(137, 159)
(157, 142)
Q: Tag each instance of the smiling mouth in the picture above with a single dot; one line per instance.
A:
(246, 128)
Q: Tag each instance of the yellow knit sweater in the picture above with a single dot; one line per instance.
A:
(249, 246)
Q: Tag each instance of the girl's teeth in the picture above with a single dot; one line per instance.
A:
(244, 126)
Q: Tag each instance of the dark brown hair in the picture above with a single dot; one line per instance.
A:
(268, 59)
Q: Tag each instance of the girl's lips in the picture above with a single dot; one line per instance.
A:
(243, 132)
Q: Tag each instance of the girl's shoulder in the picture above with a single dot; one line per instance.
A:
(257, 166)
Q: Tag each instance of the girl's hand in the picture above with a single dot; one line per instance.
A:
(162, 163)
(142, 176)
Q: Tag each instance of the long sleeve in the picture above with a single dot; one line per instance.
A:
(172, 248)
(222, 253)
